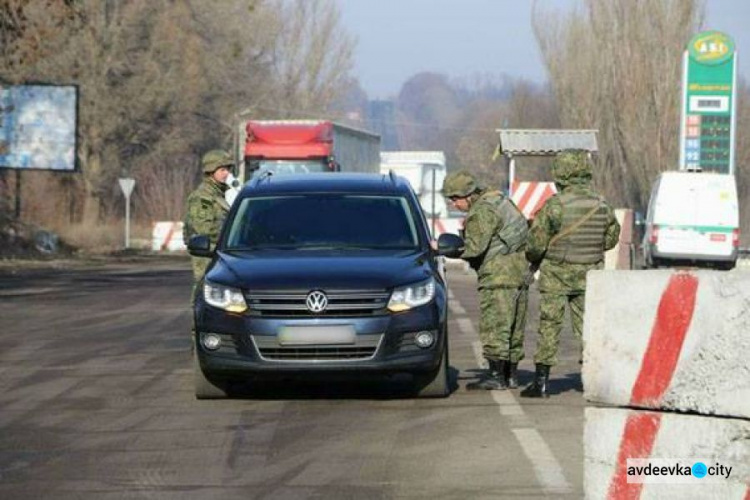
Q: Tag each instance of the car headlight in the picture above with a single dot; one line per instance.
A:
(410, 296)
(224, 297)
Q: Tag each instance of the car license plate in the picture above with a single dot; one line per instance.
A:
(316, 335)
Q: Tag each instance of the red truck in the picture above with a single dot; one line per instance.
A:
(304, 146)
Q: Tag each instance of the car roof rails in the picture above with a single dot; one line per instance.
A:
(392, 175)
(267, 174)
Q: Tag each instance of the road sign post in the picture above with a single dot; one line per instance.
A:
(707, 128)
(127, 188)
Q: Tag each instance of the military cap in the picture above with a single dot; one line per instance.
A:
(571, 166)
(460, 184)
(215, 159)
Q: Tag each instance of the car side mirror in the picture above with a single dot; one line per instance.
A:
(200, 246)
(450, 245)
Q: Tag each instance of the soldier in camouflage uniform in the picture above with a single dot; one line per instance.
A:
(206, 206)
(495, 234)
(567, 239)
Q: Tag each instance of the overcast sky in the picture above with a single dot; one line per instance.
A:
(461, 38)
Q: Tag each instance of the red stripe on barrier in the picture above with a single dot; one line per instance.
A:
(526, 196)
(637, 442)
(747, 493)
(673, 319)
(667, 336)
(165, 245)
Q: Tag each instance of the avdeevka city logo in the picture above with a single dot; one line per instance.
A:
(670, 470)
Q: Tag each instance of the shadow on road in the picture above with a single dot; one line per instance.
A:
(334, 387)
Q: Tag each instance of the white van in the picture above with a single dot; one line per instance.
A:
(692, 217)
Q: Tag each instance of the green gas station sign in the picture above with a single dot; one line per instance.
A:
(708, 104)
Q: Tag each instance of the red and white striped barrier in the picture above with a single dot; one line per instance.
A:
(616, 440)
(530, 196)
(167, 236)
(669, 340)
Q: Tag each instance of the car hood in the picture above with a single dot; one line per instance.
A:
(324, 270)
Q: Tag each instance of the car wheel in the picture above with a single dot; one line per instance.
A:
(434, 384)
(206, 388)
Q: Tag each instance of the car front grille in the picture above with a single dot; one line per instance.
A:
(341, 303)
(365, 347)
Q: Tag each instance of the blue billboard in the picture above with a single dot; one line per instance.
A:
(38, 127)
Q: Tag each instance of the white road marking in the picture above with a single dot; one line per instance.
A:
(546, 466)
(466, 326)
(508, 404)
(456, 308)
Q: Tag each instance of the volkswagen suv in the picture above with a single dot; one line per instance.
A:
(322, 273)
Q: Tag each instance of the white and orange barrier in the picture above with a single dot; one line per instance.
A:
(167, 236)
(530, 196)
(669, 340)
(619, 446)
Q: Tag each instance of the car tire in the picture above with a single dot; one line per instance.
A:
(206, 388)
(434, 384)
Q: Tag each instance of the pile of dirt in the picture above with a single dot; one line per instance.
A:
(24, 241)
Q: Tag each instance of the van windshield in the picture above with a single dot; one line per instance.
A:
(323, 221)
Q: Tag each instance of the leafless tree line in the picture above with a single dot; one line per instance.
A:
(161, 81)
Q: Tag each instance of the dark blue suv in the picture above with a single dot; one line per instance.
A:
(323, 273)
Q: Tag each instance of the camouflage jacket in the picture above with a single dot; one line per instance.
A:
(482, 228)
(563, 277)
(206, 210)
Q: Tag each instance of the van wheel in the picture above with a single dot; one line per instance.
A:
(206, 388)
(434, 384)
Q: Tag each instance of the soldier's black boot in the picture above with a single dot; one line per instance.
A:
(538, 388)
(511, 376)
(492, 380)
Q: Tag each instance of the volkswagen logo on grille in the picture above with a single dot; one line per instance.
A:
(316, 301)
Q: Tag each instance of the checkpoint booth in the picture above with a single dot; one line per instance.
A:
(530, 195)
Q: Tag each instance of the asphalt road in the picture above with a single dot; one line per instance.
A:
(96, 401)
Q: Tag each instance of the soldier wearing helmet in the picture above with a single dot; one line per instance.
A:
(206, 206)
(495, 235)
(568, 238)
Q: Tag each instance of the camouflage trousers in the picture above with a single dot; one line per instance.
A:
(199, 269)
(551, 319)
(501, 323)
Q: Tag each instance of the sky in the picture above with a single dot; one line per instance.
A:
(397, 39)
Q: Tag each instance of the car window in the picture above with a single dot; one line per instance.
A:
(322, 221)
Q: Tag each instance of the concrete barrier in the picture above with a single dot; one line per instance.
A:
(620, 256)
(167, 236)
(669, 340)
(613, 436)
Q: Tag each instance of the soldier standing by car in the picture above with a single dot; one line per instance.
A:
(495, 234)
(567, 239)
(206, 206)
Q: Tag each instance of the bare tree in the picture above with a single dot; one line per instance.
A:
(616, 66)
(162, 80)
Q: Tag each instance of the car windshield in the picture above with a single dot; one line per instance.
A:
(323, 221)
